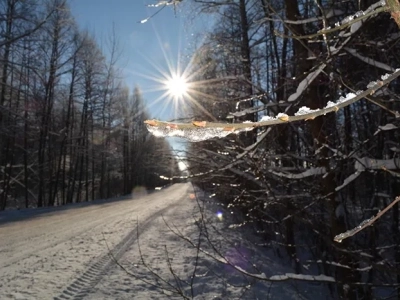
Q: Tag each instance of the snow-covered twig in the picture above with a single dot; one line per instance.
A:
(340, 237)
(329, 14)
(359, 17)
(201, 130)
(369, 163)
(164, 3)
(255, 109)
(307, 173)
(306, 82)
(375, 101)
(161, 5)
(348, 180)
(369, 61)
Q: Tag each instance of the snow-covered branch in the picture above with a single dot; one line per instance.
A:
(160, 5)
(368, 163)
(340, 237)
(202, 130)
(353, 21)
(328, 14)
(376, 164)
(306, 82)
(369, 61)
(307, 173)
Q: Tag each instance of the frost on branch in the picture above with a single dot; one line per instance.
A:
(165, 3)
(160, 4)
(193, 134)
(196, 134)
(368, 222)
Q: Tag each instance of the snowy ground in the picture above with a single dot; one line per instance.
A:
(64, 253)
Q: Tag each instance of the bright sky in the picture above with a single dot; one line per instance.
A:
(145, 48)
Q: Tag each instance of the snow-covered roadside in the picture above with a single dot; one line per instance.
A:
(42, 254)
(64, 254)
(161, 264)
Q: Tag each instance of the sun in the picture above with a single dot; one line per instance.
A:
(177, 86)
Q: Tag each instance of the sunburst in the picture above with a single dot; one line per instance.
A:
(177, 86)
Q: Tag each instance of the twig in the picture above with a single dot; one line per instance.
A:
(372, 100)
(340, 237)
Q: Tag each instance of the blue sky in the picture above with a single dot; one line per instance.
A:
(145, 48)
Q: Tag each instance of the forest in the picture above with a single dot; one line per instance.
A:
(71, 129)
(295, 125)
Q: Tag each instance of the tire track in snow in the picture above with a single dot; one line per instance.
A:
(84, 284)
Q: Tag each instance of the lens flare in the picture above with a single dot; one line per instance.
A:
(177, 86)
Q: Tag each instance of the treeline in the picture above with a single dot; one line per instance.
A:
(300, 184)
(70, 129)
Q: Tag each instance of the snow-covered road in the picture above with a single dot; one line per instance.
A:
(64, 253)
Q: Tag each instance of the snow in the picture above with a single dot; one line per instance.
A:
(388, 126)
(374, 164)
(266, 118)
(307, 173)
(282, 116)
(330, 104)
(305, 83)
(305, 110)
(341, 100)
(371, 84)
(164, 3)
(333, 13)
(141, 248)
(386, 76)
(370, 61)
(354, 27)
(44, 251)
(304, 277)
(348, 180)
(348, 19)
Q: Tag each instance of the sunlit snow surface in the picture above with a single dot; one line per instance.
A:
(63, 253)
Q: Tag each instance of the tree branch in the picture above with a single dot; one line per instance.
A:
(368, 222)
(201, 130)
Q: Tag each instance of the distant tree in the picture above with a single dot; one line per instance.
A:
(60, 112)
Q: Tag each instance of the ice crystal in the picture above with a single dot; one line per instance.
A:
(191, 134)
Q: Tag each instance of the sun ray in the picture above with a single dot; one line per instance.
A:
(179, 89)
